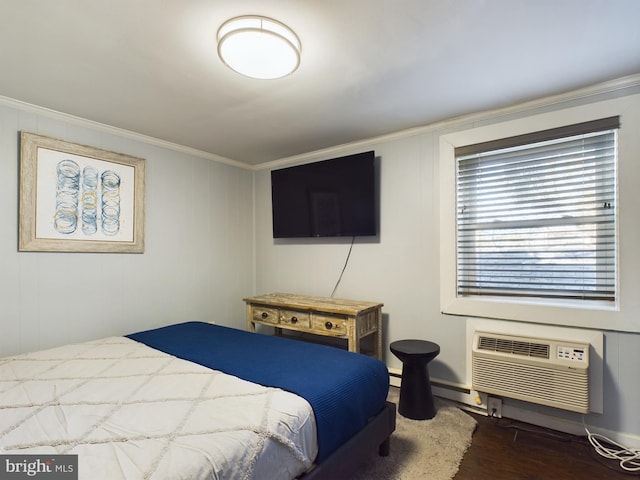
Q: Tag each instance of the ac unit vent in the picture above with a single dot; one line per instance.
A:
(544, 371)
(515, 347)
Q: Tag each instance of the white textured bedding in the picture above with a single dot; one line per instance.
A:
(132, 412)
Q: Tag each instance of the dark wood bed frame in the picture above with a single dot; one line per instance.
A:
(345, 461)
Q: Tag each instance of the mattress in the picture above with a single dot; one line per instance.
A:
(130, 411)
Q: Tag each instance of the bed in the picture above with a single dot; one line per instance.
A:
(196, 400)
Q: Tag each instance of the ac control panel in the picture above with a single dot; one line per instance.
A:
(572, 353)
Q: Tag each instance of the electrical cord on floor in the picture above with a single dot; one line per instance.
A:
(627, 458)
(344, 268)
(538, 431)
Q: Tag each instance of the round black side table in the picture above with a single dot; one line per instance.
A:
(416, 399)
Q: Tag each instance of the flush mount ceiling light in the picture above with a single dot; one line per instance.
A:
(258, 47)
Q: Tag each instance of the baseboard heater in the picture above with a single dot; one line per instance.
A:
(543, 371)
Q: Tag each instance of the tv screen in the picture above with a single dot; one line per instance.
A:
(331, 198)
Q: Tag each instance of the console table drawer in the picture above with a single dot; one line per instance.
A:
(329, 325)
(294, 318)
(265, 314)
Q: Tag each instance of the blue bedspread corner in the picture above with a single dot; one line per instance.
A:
(344, 389)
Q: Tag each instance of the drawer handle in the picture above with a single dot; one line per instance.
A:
(294, 319)
(328, 325)
(264, 315)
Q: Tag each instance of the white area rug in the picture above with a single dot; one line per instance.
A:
(428, 449)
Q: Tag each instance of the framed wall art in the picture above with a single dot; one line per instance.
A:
(75, 198)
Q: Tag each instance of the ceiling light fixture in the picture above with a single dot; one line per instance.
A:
(258, 47)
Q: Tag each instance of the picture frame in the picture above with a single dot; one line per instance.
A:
(77, 198)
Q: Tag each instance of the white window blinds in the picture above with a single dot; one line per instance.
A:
(536, 214)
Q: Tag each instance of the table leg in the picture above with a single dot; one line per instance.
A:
(378, 336)
(416, 399)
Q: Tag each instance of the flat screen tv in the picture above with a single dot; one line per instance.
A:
(330, 198)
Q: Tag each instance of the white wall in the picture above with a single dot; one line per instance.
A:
(197, 264)
(402, 269)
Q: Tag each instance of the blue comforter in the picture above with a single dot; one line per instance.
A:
(344, 389)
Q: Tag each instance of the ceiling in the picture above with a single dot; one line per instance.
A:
(368, 68)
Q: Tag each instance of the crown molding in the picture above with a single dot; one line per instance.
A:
(604, 88)
(120, 132)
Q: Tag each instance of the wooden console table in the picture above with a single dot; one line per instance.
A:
(333, 317)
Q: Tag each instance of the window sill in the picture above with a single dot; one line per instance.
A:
(592, 314)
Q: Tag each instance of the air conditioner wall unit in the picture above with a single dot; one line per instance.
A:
(544, 371)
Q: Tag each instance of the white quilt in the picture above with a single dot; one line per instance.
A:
(132, 412)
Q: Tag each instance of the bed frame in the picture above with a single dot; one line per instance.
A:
(346, 461)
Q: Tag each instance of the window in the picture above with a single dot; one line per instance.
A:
(536, 214)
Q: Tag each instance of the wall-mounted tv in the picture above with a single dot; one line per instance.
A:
(330, 198)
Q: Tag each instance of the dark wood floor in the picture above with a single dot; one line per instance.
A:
(503, 449)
